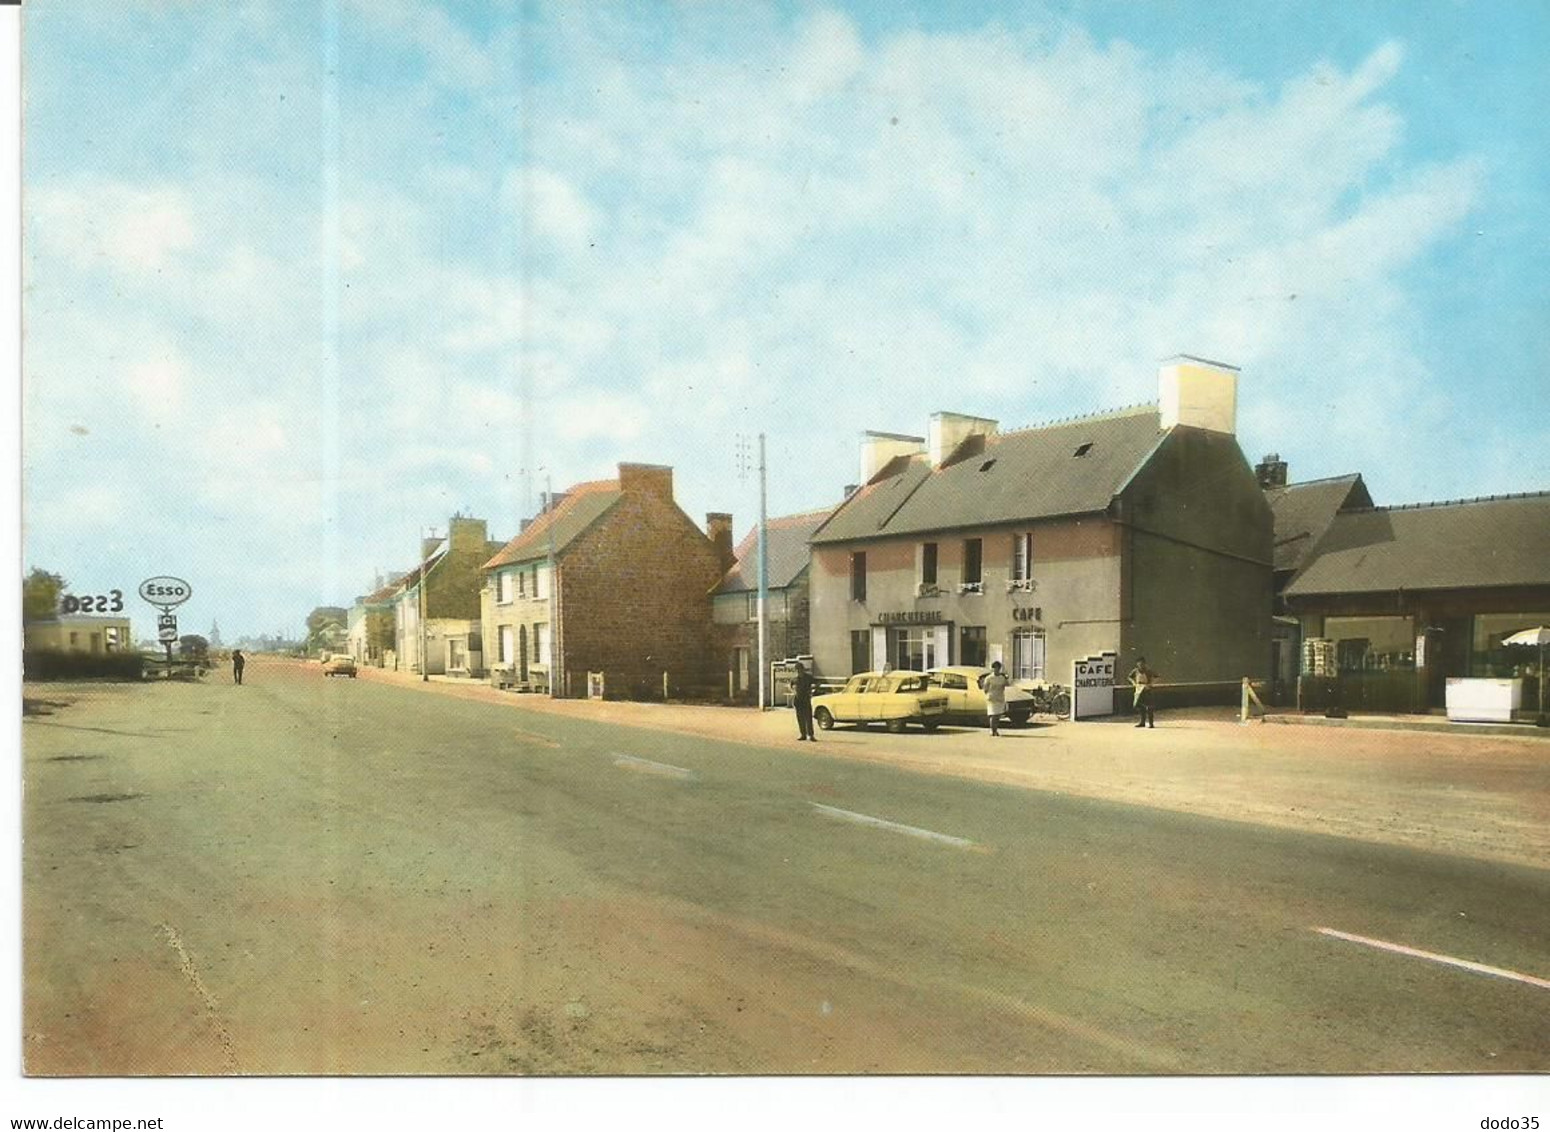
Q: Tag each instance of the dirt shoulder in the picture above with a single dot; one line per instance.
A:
(1484, 796)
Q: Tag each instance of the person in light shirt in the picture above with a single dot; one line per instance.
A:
(994, 684)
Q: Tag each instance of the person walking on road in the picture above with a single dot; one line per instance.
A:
(994, 684)
(803, 701)
(1141, 678)
(238, 662)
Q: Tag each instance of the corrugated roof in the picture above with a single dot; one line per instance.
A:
(1031, 473)
(1303, 512)
(1501, 541)
(582, 506)
(785, 546)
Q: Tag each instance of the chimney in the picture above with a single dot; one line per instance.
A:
(468, 534)
(651, 479)
(877, 448)
(427, 545)
(851, 489)
(949, 430)
(1198, 393)
(1271, 471)
(718, 525)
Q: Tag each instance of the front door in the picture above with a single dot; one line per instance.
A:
(522, 652)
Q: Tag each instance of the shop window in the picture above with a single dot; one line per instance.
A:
(1028, 652)
(1372, 643)
(913, 649)
(1489, 657)
(971, 645)
(1351, 654)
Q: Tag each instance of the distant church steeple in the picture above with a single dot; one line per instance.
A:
(215, 634)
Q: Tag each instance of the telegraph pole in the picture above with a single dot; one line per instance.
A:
(554, 589)
(425, 668)
(764, 585)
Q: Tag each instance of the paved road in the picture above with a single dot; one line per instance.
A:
(331, 876)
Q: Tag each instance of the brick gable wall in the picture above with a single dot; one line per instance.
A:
(635, 600)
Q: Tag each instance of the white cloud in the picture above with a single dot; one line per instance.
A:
(123, 226)
(814, 233)
(550, 206)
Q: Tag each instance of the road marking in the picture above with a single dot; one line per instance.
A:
(1416, 953)
(882, 823)
(212, 1008)
(533, 737)
(646, 766)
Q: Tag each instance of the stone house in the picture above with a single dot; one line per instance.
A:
(611, 581)
(1137, 532)
(451, 574)
(735, 601)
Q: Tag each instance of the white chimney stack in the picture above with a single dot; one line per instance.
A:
(877, 448)
(947, 431)
(1198, 393)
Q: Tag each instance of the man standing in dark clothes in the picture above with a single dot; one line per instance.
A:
(237, 663)
(804, 703)
(1141, 679)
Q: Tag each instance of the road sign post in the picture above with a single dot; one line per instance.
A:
(166, 593)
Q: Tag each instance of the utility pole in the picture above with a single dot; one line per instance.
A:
(554, 624)
(425, 668)
(764, 586)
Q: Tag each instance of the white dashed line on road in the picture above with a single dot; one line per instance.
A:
(882, 823)
(646, 766)
(1432, 956)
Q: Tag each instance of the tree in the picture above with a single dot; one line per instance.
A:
(193, 645)
(326, 627)
(40, 595)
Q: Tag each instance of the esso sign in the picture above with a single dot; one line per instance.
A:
(166, 591)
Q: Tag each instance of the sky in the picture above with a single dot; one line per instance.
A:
(304, 280)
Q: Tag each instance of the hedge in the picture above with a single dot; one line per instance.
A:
(56, 664)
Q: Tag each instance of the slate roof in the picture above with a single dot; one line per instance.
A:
(1463, 544)
(1009, 477)
(412, 579)
(1303, 512)
(582, 506)
(385, 594)
(786, 549)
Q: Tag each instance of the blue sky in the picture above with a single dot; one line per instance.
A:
(301, 280)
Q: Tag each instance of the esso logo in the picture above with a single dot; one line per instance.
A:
(166, 591)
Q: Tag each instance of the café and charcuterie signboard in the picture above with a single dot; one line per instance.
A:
(1092, 686)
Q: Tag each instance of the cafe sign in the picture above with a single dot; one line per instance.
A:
(1092, 686)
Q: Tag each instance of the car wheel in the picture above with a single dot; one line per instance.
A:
(1018, 720)
(1062, 705)
(824, 719)
(896, 726)
(931, 724)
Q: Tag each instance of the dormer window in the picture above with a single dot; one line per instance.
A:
(988, 464)
(1083, 449)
